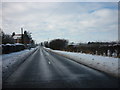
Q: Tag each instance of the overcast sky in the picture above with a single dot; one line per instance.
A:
(75, 21)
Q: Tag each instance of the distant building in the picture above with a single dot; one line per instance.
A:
(18, 38)
(24, 38)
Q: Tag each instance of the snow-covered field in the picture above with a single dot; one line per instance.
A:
(12, 60)
(106, 64)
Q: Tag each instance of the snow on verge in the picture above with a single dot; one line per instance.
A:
(106, 64)
(0, 73)
(11, 61)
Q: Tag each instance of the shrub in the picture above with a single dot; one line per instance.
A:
(58, 44)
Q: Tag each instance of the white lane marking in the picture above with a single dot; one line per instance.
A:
(49, 62)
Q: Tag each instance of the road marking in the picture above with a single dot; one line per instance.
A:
(49, 62)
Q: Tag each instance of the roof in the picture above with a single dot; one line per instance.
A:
(17, 36)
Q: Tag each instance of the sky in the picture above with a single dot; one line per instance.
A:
(74, 21)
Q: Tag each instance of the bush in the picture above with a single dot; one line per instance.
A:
(58, 44)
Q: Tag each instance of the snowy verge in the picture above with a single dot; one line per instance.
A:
(11, 61)
(0, 73)
(105, 64)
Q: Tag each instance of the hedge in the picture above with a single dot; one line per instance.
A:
(8, 48)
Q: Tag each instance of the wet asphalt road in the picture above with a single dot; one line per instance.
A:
(47, 70)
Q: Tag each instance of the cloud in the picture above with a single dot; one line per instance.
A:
(73, 21)
(61, 1)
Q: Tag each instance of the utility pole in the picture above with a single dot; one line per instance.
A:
(22, 38)
(48, 40)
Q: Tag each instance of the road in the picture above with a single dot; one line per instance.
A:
(47, 70)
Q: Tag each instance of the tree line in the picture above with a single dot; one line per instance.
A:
(8, 43)
(25, 38)
(98, 48)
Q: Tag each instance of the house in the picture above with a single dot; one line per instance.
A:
(24, 38)
(18, 38)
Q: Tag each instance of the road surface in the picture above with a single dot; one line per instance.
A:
(47, 70)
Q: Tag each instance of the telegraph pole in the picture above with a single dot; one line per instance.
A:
(22, 38)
